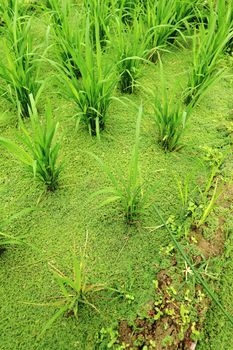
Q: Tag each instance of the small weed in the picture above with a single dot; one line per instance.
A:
(75, 291)
(214, 159)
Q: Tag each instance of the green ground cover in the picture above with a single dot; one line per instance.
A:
(126, 257)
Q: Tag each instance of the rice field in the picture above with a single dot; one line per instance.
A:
(116, 133)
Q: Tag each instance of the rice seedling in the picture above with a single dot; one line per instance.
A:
(20, 66)
(2, 13)
(7, 8)
(58, 10)
(224, 10)
(184, 194)
(186, 10)
(75, 291)
(161, 25)
(39, 150)
(93, 93)
(128, 192)
(128, 10)
(170, 118)
(130, 47)
(199, 203)
(208, 46)
(164, 20)
(99, 11)
(68, 39)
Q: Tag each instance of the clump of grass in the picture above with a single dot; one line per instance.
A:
(99, 11)
(224, 10)
(75, 291)
(128, 192)
(130, 46)
(20, 68)
(39, 150)
(93, 93)
(186, 10)
(58, 10)
(68, 39)
(128, 10)
(170, 118)
(209, 43)
(7, 8)
(161, 23)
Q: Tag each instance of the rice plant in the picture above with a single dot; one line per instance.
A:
(93, 93)
(170, 118)
(3, 9)
(7, 8)
(128, 10)
(58, 10)
(130, 47)
(224, 10)
(161, 23)
(67, 38)
(186, 10)
(39, 150)
(99, 11)
(75, 291)
(184, 191)
(126, 191)
(20, 66)
(208, 46)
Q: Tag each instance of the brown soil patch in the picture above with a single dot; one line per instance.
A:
(152, 332)
(215, 247)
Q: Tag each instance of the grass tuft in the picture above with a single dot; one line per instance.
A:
(38, 151)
